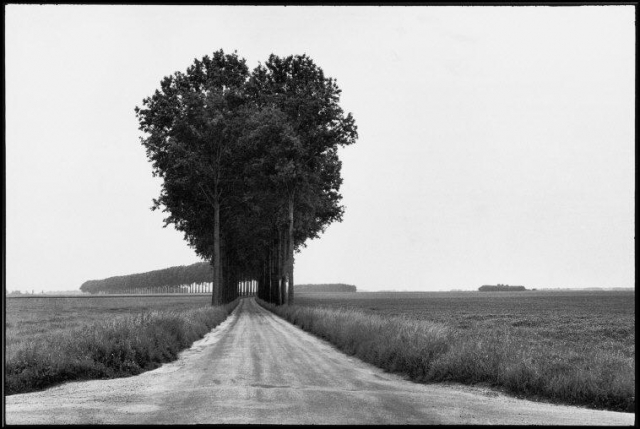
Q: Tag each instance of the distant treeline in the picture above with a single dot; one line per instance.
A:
(325, 287)
(158, 280)
(500, 288)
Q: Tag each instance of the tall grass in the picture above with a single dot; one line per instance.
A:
(428, 351)
(126, 345)
(37, 318)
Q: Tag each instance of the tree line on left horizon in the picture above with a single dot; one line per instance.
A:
(173, 278)
(194, 278)
(249, 162)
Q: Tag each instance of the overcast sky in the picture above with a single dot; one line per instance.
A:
(496, 144)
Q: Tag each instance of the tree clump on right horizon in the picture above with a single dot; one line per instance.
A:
(325, 287)
(501, 288)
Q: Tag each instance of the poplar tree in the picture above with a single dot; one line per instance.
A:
(249, 164)
(294, 91)
(192, 123)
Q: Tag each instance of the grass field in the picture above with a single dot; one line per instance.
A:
(29, 318)
(51, 340)
(569, 347)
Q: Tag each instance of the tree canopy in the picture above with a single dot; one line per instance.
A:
(249, 163)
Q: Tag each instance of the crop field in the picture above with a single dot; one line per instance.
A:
(53, 339)
(568, 347)
(605, 320)
(28, 318)
(565, 347)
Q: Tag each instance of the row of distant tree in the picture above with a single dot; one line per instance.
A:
(325, 287)
(158, 280)
(501, 288)
(181, 277)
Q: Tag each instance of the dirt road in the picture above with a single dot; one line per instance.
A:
(257, 368)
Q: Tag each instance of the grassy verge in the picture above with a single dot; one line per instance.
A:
(428, 351)
(124, 346)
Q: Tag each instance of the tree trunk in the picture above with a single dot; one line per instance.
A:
(283, 269)
(290, 251)
(270, 276)
(281, 251)
(274, 274)
(216, 292)
(262, 287)
(269, 288)
(225, 276)
(265, 282)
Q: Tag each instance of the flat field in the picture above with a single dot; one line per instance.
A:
(605, 320)
(572, 347)
(50, 340)
(29, 318)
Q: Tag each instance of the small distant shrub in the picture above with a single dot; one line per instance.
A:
(127, 345)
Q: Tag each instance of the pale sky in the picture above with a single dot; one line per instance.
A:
(496, 144)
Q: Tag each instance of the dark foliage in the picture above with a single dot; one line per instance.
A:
(328, 287)
(157, 279)
(501, 288)
(249, 164)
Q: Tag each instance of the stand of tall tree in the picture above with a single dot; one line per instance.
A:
(249, 162)
(156, 281)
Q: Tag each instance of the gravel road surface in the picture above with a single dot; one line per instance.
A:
(258, 368)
